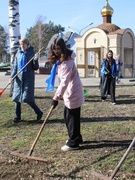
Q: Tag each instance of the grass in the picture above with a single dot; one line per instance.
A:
(107, 132)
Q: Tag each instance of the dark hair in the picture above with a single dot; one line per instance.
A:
(111, 59)
(110, 51)
(65, 51)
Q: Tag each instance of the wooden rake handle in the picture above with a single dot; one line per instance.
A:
(109, 72)
(123, 159)
(1, 92)
(39, 133)
(27, 63)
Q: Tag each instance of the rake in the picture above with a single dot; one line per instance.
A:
(101, 176)
(34, 143)
(1, 92)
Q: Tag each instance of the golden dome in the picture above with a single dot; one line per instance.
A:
(107, 10)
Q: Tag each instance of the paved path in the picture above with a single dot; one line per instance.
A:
(87, 82)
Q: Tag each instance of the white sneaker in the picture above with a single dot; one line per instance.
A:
(103, 100)
(113, 103)
(67, 148)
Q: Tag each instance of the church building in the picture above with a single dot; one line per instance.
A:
(93, 45)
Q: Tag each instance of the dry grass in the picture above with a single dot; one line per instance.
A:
(107, 131)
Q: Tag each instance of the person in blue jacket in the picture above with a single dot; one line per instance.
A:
(23, 90)
(119, 64)
(108, 77)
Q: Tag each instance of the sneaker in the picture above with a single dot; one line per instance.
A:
(39, 117)
(103, 100)
(113, 103)
(16, 120)
(67, 148)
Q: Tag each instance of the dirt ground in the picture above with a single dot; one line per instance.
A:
(107, 132)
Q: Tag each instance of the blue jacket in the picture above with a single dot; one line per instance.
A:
(24, 82)
(106, 70)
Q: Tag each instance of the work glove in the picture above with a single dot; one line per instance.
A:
(54, 103)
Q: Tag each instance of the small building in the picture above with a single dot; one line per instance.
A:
(93, 45)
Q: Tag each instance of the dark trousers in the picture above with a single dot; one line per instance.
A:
(108, 87)
(72, 120)
(31, 104)
(111, 88)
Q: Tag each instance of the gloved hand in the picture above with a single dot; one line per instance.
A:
(54, 104)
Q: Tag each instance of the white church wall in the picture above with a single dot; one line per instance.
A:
(95, 40)
(127, 41)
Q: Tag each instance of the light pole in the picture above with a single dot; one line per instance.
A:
(82, 28)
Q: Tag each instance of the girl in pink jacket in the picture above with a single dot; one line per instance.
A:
(70, 89)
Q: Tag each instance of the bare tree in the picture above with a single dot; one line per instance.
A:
(41, 33)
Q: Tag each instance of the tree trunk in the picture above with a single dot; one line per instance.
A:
(14, 31)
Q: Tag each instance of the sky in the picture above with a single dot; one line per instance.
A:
(76, 14)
